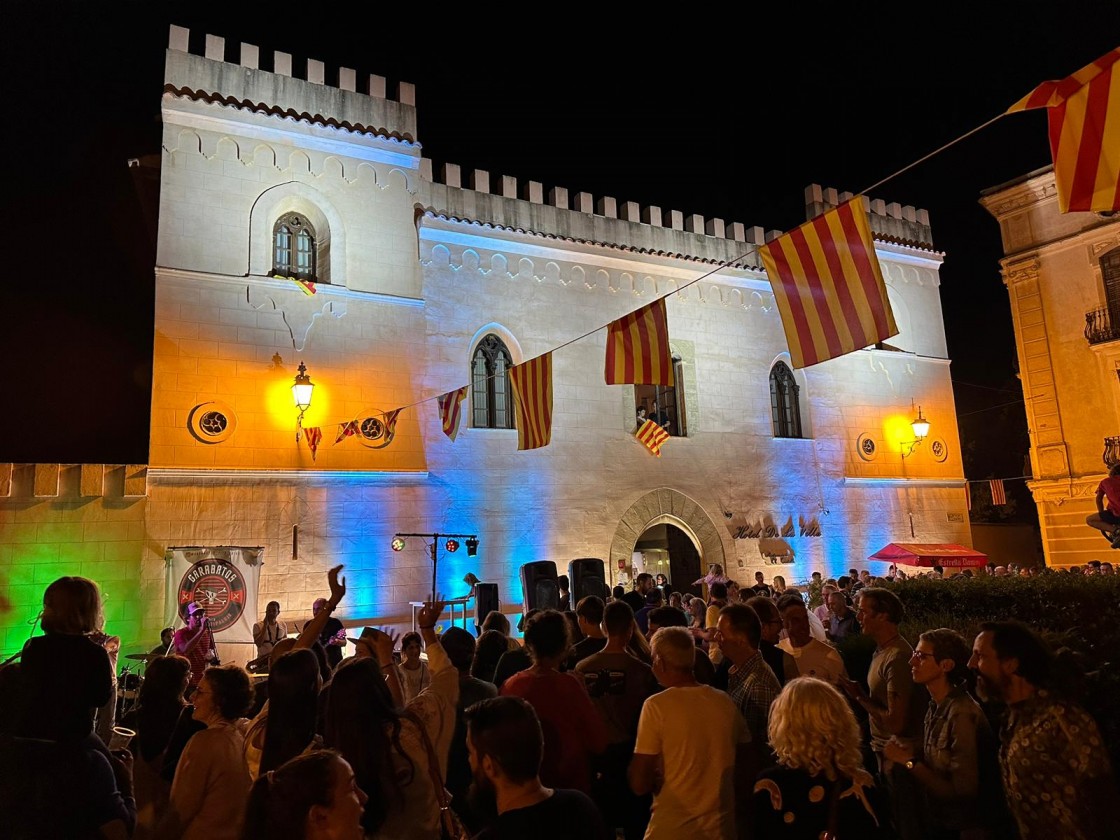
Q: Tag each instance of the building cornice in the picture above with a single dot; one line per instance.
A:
(186, 475)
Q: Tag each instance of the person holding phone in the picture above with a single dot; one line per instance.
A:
(196, 643)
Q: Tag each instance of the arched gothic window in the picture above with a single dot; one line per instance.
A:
(293, 252)
(784, 402)
(492, 398)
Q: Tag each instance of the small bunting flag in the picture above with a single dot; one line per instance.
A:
(450, 410)
(652, 436)
(391, 422)
(313, 435)
(532, 391)
(999, 495)
(347, 429)
(638, 348)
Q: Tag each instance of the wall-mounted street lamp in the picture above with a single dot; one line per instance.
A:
(302, 390)
(920, 425)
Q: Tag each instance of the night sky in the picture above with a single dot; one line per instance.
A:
(727, 114)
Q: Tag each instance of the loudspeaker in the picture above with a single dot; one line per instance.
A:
(485, 601)
(539, 589)
(587, 576)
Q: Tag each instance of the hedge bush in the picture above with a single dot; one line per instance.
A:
(1079, 616)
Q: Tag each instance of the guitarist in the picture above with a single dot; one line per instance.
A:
(266, 634)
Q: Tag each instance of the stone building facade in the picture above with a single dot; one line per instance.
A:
(419, 270)
(1062, 272)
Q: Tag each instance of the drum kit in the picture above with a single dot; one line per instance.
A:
(129, 682)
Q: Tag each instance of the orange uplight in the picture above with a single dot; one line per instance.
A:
(898, 433)
(283, 413)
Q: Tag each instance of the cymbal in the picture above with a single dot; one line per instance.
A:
(141, 657)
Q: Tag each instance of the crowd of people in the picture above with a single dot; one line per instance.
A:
(651, 713)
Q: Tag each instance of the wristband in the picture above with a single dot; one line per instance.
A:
(426, 626)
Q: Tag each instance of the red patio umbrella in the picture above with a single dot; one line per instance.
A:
(946, 555)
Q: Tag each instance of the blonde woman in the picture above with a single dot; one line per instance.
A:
(819, 784)
(779, 586)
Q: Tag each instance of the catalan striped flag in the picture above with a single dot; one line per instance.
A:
(1084, 115)
(313, 435)
(391, 422)
(450, 410)
(828, 286)
(638, 348)
(652, 436)
(305, 286)
(999, 495)
(532, 392)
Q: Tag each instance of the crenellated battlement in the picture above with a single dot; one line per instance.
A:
(72, 481)
(279, 91)
(892, 221)
(454, 191)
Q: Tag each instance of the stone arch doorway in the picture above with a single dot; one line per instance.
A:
(689, 534)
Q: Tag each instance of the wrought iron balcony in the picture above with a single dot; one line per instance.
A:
(1111, 454)
(1099, 327)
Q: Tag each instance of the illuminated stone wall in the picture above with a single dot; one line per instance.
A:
(1053, 276)
(58, 520)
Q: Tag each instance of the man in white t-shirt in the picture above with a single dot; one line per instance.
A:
(689, 739)
(812, 657)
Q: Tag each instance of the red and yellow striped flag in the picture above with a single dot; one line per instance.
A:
(652, 436)
(313, 435)
(828, 286)
(305, 286)
(532, 392)
(450, 409)
(638, 348)
(1084, 115)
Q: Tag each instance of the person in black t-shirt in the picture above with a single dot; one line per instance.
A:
(505, 745)
(333, 637)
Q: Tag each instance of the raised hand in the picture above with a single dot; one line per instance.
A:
(337, 584)
(429, 614)
(386, 641)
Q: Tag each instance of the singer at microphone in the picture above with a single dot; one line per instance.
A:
(196, 643)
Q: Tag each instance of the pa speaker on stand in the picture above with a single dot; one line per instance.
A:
(485, 602)
(539, 587)
(587, 576)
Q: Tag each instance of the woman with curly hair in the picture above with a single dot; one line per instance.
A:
(819, 783)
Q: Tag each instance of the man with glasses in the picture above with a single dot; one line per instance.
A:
(958, 757)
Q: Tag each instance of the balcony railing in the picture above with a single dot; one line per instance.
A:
(1099, 327)
(1111, 454)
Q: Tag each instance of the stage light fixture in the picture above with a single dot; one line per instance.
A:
(398, 543)
(472, 546)
(451, 545)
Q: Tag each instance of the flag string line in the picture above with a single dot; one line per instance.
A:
(935, 152)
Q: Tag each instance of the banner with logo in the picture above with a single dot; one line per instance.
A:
(222, 579)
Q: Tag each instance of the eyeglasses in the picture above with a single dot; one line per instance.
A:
(923, 655)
